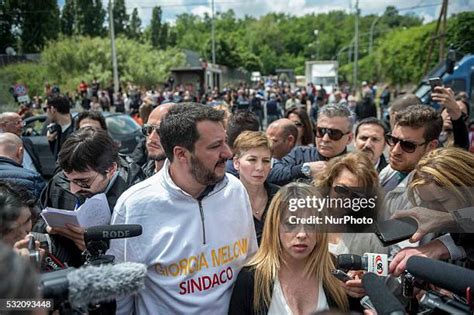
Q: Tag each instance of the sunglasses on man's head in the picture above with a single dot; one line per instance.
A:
(407, 146)
(334, 134)
(148, 129)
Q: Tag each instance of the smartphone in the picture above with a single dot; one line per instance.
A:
(434, 82)
(341, 275)
(393, 231)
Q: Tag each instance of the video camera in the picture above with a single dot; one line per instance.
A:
(99, 279)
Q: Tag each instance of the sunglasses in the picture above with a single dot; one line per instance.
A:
(346, 191)
(46, 108)
(148, 129)
(298, 124)
(407, 146)
(334, 134)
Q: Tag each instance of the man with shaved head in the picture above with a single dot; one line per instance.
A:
(12, 122)
(283, 134)
(11, 170)
(155, 152)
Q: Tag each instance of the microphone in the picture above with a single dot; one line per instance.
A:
(384, 301)
(93, 284)
(376, 263)
(109, 232)
(447, 276)
(433, 301)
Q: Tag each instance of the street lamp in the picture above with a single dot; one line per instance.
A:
(372, 27)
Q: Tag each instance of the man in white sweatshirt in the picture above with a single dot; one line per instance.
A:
(197, 221)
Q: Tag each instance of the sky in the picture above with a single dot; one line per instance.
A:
(428, 9)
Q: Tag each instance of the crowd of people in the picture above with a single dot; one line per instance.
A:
(213, 182)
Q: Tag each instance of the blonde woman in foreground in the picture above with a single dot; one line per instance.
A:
(291, 271)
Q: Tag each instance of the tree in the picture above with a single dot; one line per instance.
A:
(8, 16)
(39, 23)
(164, 36)
(120, 16)
(90, 17)
(133, 30)
(68, 18)
(155, 27)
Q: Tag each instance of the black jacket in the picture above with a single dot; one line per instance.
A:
(271, 191)
(241, 302)
(58, 195)
(382, 163)
(56, 144)
(288, 169)
(13, 172)
(33, 153)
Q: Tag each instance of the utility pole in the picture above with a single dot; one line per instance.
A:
(438, 34)
(112, 42)
(213, 36)
(356, 45)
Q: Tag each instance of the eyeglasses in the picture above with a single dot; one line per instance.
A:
(148, 129)
(82, 184)
(407, 146)
(334, 134)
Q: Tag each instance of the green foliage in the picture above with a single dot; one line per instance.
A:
(70, 60)
(155, 27)
(34, 35)
(120, 17)
(33, 75)
(460, 30)
(8, 17)
(89, 18)
(68, 18)
(134, 26)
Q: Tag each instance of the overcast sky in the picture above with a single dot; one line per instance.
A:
(428, 9)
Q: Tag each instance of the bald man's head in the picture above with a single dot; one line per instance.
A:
(11, 122)
(11, 147)
(283, 134)
(153, 143)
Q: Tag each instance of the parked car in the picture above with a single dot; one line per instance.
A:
(125, 131)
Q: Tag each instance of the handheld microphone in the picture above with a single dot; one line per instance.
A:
(93, 284)
(376, 263)
(447, 276)
(384, 301)
(433, 301)
(109, 232)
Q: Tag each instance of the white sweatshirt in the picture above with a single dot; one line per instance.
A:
(194, 250)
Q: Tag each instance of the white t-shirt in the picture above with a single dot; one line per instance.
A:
(278, 305)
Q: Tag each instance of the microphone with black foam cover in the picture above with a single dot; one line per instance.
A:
(442, 274)
(376, 263)
(109, 232)
(93, 284)
(384, 301)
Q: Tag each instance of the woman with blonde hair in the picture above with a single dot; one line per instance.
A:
(442, 187)
(252, 159)
(291, 271)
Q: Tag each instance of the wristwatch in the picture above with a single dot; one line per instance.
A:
(306, 170)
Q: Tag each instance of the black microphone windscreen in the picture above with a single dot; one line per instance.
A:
(108, 232)
(442, 274)
(94, 284)
(349, 262)
(383, 300)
